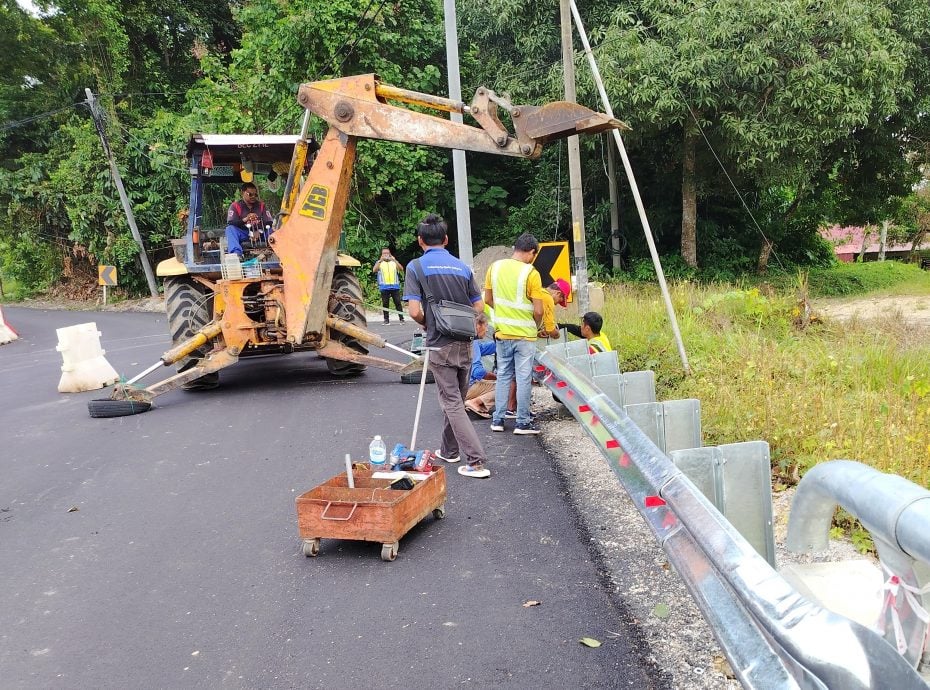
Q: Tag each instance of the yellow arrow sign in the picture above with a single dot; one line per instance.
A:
(106, 275)
(552, 263)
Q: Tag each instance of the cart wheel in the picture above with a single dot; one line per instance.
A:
(440, 512)
(389, 551)
(311, 547)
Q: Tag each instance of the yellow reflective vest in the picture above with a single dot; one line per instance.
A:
(600, 343)
(513, 310)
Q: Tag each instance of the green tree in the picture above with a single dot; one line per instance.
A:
(774, 87)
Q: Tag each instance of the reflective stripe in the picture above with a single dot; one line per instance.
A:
(600, 343)
(512, 308)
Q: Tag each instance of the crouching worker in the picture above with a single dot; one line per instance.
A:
(479, 399)
(590, 330)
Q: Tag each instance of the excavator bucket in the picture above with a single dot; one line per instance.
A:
(561, 119)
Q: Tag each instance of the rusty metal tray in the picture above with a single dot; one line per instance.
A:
(370, 512)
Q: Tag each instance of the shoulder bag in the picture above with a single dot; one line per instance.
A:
(454, 320)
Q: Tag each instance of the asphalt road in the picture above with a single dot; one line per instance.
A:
(161, 550)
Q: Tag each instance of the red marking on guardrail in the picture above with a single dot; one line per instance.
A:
(539, 368)
(624, 460)
(561, 384)
(612, 443)
(547, 376)
(594, 420)
(669, 520)
(584, 408)
(654, 501)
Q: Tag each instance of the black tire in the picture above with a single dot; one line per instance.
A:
(345, 302)
(189, 309)
(415, 377)
(117, 408)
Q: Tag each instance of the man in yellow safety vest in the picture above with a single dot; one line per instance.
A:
(389, 274)
(512, 287)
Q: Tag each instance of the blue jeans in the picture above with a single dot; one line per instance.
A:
(235, 236)
(514, 361)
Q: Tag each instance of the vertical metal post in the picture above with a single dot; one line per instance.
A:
(660, 274)
(614, 206)
(124, 199)
(574, 163)
(459, 172)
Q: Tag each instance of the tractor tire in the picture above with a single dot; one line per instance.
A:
(189, 309)
(116, 408)
(346, 302)
(416, 376)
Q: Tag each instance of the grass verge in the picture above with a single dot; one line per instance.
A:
(827, 391)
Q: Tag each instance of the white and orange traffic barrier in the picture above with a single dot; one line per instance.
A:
(85, 368)
(7, 334)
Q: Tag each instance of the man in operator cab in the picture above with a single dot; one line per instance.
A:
(247, 214)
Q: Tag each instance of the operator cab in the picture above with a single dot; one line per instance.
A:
(219, 164)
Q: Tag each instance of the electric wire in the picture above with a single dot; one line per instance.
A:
(32, 118)
(713, 151)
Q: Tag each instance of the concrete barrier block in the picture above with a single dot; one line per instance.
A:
(849, 588)
(7, 334)
(84, 367)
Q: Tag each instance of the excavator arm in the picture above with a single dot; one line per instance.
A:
(357, 107)
(307, 238)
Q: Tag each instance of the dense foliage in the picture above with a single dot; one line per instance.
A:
(753, 121)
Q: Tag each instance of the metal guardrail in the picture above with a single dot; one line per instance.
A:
(772, 636)
(896, 512)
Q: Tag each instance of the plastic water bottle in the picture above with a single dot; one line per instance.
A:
(377, 453)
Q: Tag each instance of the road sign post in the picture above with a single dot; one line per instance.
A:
(106, 277)
(552, 262)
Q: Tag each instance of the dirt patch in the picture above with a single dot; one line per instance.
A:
(911, 309)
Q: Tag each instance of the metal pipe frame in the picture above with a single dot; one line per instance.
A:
(772, 636)
(895, 511)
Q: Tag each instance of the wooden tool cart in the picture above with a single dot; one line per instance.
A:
(372, 511)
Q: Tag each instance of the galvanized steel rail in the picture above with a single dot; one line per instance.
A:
(772, 636)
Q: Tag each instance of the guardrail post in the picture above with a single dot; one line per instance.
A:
(737, 479)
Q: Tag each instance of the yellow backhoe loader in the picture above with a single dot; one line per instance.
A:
(297, 291)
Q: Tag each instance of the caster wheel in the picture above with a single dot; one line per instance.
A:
(439, 513)
(311, 547)
(389, 551)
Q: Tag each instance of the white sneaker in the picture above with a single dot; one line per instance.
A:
(439, 455)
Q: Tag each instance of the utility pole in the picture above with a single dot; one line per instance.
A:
(118, 181)
(614, 206)
(574, 163)
(460, 174)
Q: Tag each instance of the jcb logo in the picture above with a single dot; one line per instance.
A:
(315, 203)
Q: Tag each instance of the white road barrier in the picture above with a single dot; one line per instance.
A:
(85, 368)
(7, 334)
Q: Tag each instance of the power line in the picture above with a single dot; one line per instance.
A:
(32, 118)
(326, 70)
(684, 100)
(361, 35)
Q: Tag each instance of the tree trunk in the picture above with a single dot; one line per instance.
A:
(915, 244)
(689, 196)
(866, 231)
(764, 253)
(883, 239)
